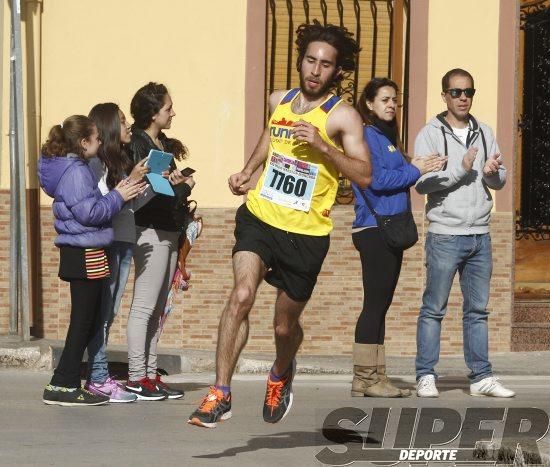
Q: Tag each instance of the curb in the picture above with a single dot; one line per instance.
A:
(33, 357)
(43, 354)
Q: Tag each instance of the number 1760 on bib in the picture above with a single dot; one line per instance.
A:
(289, 183)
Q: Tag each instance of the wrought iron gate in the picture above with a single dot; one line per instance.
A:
(381, 27)
(534, 208)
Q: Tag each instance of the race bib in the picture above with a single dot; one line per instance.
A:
(289, 182)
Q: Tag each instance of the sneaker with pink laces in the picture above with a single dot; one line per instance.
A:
(112, 389)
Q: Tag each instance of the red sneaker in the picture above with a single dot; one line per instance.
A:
(146, 390)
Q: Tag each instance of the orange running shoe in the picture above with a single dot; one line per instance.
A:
(214, 407)
(278, 396)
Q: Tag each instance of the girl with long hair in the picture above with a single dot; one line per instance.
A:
(112, 165)
(159, 227)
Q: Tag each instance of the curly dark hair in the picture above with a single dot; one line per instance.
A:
(176, 147)
(147, 101)
(339, 37)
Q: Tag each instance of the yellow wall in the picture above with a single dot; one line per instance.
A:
(464, 34)
(31, 53)
(5, 96)
(103, 50)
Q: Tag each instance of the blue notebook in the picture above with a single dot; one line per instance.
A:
(158, 162)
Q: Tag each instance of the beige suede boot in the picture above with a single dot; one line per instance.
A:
(364, 369)
(381, 372)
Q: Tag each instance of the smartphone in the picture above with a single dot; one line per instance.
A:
(187, 172)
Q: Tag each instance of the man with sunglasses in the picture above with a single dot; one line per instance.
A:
(458, 210)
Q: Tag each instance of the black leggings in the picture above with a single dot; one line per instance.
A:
(85, 310)
(381, 267)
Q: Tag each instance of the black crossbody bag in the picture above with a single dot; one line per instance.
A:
(398, 231)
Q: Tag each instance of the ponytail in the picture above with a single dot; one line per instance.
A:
(67, 137)
(56, 144)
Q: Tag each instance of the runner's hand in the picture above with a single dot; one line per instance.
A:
(237, 182)
(306, 132)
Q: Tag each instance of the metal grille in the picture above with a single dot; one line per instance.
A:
(534, 215)
(371, 22)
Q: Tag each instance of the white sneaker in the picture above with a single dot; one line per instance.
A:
(490, 386)
(426, 387)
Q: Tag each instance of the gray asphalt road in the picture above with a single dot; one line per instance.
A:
(156, 433)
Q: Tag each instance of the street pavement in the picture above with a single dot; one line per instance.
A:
(156, 433)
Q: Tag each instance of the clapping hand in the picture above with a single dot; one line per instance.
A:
(492, 165)
(129, 189)
(469, 158)
(431, 163)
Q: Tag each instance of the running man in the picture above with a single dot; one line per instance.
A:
(282, 231)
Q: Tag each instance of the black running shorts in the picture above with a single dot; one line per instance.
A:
(293, 260)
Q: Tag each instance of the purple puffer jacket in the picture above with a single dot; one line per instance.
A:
(82, 214)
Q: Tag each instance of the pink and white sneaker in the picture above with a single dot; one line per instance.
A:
(112, 389)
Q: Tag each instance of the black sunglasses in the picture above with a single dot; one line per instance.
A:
(457, 92)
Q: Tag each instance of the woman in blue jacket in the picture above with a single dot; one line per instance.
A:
(83, 224)
(392, 176)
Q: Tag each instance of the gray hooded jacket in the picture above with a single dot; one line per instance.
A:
(459, 202)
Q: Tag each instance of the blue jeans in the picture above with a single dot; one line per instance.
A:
(120, 259)
(471, 256)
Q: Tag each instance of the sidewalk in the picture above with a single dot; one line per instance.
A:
(44, 354)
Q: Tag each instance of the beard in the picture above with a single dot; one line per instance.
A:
(323, 89)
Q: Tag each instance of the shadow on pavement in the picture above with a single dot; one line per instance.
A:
(293, 439)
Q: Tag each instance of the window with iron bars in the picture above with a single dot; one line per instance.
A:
(533, 161)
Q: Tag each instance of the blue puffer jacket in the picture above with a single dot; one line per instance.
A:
(82, 214)
(392, 177)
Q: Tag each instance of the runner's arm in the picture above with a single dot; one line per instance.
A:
(354, 162)
(237, 182)
(259, 155)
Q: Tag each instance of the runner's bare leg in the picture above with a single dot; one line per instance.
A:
(248, 271)
(288, 331)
